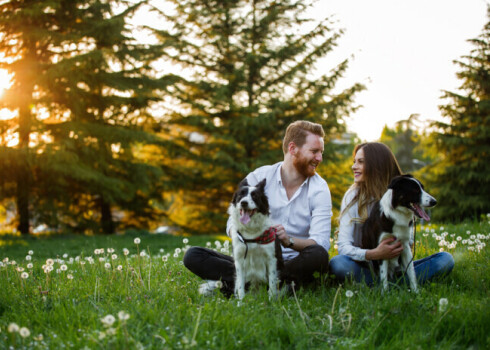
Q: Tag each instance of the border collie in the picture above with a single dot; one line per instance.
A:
(393, 216)
(256, 251)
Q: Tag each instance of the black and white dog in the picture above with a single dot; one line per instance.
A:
(392, 216)
(256, 251)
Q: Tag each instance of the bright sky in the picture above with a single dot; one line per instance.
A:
(403, 52)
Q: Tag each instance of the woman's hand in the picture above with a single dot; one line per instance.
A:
(387, 249)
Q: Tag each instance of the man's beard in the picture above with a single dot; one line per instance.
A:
(302, 165)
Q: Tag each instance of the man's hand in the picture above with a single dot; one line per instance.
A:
(281, 234)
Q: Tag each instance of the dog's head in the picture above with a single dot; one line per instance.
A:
(250, 200)
(408, 192)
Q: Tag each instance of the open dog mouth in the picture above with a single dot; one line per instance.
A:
(417, 209)
(246, 215)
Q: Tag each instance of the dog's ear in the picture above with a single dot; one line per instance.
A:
(243, 183)
(261, 184)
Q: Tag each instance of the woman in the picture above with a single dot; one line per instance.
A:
(374, 167)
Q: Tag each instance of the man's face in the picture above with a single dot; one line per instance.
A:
(309, 156)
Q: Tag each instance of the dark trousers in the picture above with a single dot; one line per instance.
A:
(310, 264)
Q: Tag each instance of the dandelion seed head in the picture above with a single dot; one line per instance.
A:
(24, 275)
(13, 327)
(28, 258)
(107, 265)
(30, 252)
(30, 266)
(24, 332)
(349, 294)
(123, 316)
(125, 251)
(137, 240)
(108, 320)
(164, 258)
(114, 257)
(443, 303)
(65, 256)
(50, 262)
(69, 276)
(63, 267)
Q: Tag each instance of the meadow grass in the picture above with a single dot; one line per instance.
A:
(108, 292)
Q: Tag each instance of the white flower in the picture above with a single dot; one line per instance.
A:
(110, 250)
(30, 266)
(122, 315)
(65, 256)
(114, 257)
(13, 327)
(107, 265)
(24, 332)
(30, 252)
(137, 240)
(164, 258)
(63, 267)
(24, 275)
(443, 302)
(125, 251)
(50, 262)
(349, 294)
(28, 258)
(70, 277)
(185, 241)
(143, 254)
(108, 320)
(111, 331)
(39, 337)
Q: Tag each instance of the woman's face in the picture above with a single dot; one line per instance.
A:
(358, 166)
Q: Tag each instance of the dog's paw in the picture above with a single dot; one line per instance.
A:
(209, 287)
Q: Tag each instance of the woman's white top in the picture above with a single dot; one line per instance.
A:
(347, 226)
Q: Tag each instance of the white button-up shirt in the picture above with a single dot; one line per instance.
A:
(306, 215)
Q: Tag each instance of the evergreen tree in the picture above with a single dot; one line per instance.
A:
(97, 85)
(463, 142)
(245, 70)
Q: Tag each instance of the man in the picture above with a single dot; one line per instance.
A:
(301, 212)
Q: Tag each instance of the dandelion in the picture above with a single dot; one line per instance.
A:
(162, 250)
(107, 265)
(137, 240)
(13, 328)
(459, 238)
(122, 315)
(40, 337)
(164, 258)
(185, 241)
(176, 255)
(119, 267)
(219, 284)
(20, 269)
(111, 331)
(178, 251)
(101, 259)
(114, 257)
(63, 267)
(24, 332)
(349, 294)
(110, 250)
(24, 275)
(108, 320)
(28, 258)
(65, 256)
(30, 252)
(30, 266)
(443, 302)
(69, 276)
(125, 251)
(50, 262)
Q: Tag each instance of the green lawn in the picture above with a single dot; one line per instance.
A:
(76, 296)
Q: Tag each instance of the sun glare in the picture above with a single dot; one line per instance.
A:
(5, 81)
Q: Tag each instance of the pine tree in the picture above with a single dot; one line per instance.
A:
(245, 70)
(463, 142)
(97, 85)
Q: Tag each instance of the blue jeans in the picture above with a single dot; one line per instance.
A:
(344, 268)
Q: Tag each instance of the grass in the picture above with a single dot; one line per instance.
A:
(154, 303)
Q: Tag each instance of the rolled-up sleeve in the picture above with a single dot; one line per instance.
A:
(346, 231)
(321, 217)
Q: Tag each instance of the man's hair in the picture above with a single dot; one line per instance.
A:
(298, 131)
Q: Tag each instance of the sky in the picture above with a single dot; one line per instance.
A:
(403, 52)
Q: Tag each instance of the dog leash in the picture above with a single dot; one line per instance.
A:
(414, 241)
(267, 236)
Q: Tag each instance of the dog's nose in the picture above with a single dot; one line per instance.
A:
(432, 202)
(244, 204)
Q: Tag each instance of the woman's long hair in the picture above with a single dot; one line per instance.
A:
(380, 166)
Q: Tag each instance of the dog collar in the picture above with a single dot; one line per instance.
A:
(267, 236)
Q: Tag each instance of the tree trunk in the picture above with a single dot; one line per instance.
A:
(107, 223)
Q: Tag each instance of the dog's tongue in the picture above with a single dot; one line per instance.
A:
(421, 213)
(244, 217)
